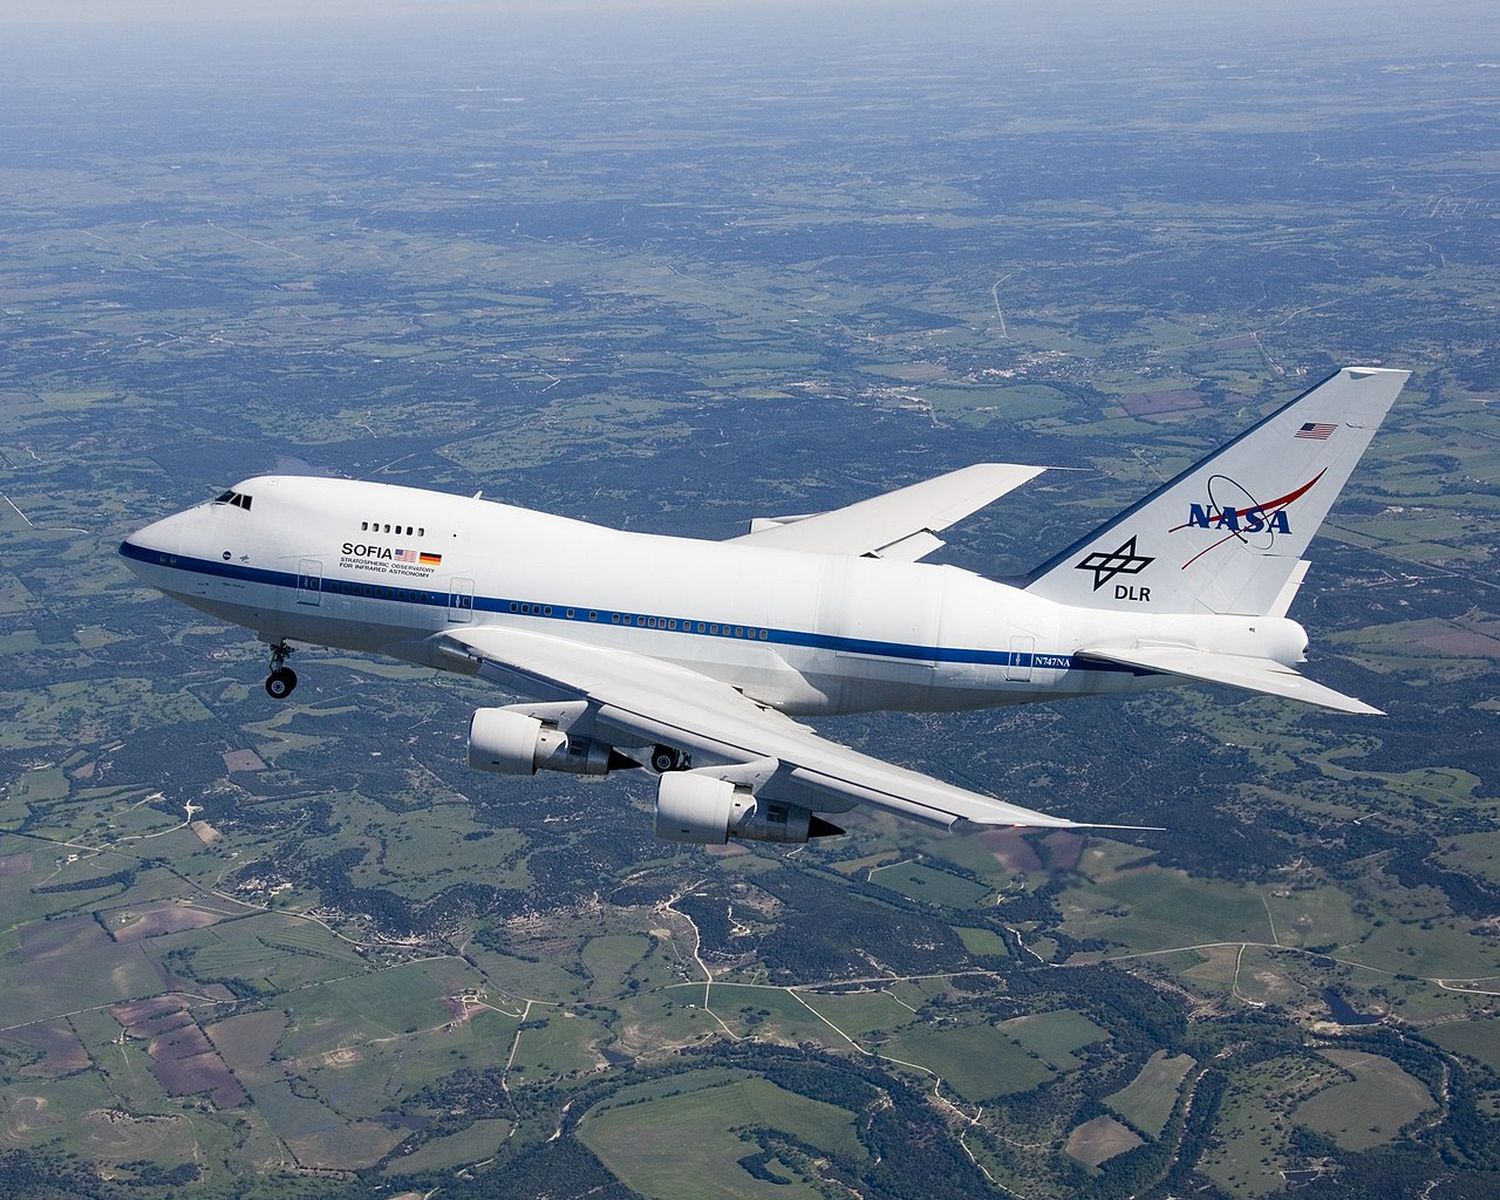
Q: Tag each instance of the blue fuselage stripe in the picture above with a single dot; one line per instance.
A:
(430, 598)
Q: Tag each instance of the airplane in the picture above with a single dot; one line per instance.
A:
(693, 658)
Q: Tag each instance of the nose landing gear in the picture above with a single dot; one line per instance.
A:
(282, 680)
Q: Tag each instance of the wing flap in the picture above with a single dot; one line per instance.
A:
(889, 522)
(640, 701)
(1252, 674)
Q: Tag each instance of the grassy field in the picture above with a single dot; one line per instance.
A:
(934, 887)
(860, 1014)
(666, 1148)
(765, 1012)
(609, 958)
(566, 1041)
(977, 1061)
(1152, 908)
(1053, 1036)
(1368, 1110)
(1255, 1121)
(1477, 1039)
(479, 1141)
(1147, 1100)
(981, 941)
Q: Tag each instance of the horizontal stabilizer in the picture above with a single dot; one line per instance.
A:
(897, 525)
(1253, 674)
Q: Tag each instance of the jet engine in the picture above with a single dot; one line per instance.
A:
(507, 742)
(697, 808)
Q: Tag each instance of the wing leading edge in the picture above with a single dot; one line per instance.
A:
(638, 701)
(898, 525)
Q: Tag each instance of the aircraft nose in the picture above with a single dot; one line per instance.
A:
(158, 543)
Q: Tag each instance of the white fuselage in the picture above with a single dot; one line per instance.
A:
(330, 562)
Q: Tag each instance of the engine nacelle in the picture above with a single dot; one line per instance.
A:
(699, 809)
(507, 742)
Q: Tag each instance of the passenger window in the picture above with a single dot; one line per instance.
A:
(421, 532)
(364, 526)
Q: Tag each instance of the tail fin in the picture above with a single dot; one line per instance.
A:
(1226, 535)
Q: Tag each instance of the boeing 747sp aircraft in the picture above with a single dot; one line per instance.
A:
(692, 657)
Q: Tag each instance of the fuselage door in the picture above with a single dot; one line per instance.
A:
(310, 581)
(1022, 653)
(461, 600)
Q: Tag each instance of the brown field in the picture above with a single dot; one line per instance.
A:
(1064, 850)
(1099, 1140)
(146, 1018)
(182, 1057)
(1146, 404)
(195, 1073)
(65, 937)
(1463, 643)
(62, 1052)
(242, 760)
(1011, 850)
(248, 1041)
(133, 924)
(16, 864)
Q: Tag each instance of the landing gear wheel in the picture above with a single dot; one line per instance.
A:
(665, 758)
(281, 682)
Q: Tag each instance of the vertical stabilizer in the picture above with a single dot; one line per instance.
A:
(1227, 534)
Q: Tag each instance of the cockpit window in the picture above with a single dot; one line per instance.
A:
(236, 499)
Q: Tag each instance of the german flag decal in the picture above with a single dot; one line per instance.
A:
(431, 560)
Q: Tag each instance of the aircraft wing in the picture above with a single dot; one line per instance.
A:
(899, 524)
(638, 701)
(1237, 670)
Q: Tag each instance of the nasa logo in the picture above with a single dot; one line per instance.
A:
(1238, 520)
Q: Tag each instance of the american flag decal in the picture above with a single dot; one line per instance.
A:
(404, 555)
(1316, 431)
